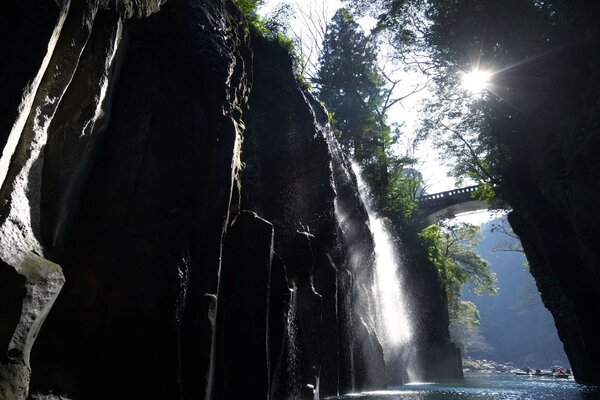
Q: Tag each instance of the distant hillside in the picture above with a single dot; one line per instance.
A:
(515, 323)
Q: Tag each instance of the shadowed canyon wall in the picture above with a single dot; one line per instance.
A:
(168, 191)
(552, 183)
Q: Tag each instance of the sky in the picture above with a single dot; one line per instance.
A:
(405, 113)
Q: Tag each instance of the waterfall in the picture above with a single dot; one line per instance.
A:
(183, 276)
(392, 320)
(292, 350)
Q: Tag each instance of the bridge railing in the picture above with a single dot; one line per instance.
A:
(448, 195)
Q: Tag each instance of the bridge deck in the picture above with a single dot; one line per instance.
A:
(444, 204)
(449, 197)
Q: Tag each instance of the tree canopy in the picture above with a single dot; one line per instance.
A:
(532, 136)
(538, 108)
(451, 249)
(354, 90)
(351, 88)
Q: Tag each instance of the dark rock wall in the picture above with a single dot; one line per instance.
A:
(287, 179)
(126, 163)
(168, 161)
(552, 182)
(562, 261)
(32, 24)
(364, 355)
(433, 355)
(546, 141)
(241, 353)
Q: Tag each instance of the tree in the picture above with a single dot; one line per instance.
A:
(450, 248)
(469, 338)
(352, 89)
(511, 242)
(249, 7)
(544, 86)
(305, 23)
(535, 130)
(350, 86)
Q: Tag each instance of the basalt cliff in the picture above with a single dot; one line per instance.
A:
(551, 180)
(169, 221)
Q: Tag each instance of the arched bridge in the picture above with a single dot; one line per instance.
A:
(439, 205)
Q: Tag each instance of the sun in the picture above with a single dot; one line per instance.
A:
(476, 81)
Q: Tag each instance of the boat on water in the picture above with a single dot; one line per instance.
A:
(521, 373)
(561, 373)
(553, 373)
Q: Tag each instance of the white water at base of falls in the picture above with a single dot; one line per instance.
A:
(393, 323)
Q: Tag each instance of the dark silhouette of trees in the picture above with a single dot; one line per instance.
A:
(358, 95)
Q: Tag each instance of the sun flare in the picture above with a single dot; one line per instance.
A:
(476, 81)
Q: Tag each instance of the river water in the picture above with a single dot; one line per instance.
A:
(488, 387)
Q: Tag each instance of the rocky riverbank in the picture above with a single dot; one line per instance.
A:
(471, 365)
(474, 366)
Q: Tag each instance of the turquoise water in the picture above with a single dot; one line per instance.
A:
(496, 387)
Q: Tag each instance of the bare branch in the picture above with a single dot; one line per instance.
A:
(474, 156)
(513, 244)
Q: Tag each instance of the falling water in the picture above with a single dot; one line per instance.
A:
(183, 276)
(292, 351)
(392, 319)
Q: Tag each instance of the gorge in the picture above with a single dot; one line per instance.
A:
(168, 214)
(179, 221)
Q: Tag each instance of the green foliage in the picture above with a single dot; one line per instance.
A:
(273, 29)
(535, 131)
(535, 120)
(249, 7)
(450, 248)
(485, 192)
(249, 10)
(468, 338)
(404, 186)
(351, 87)
(453, 118)
(468, 314)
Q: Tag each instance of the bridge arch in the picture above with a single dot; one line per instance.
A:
(436, 206)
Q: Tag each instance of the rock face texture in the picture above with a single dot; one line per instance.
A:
(167, 160)
(552, 182)
(563, 260)
(33, 284)
(433, 355)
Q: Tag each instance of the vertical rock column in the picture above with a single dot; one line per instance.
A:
(122, 172)
(278, 338)
(30, 292)
(287, 180)
(364, 365)
(20, 177)
(309, 315)
(241, 341)
(26, 52)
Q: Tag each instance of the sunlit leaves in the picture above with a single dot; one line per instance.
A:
(248, 7)
(450, 248)
(351, 88)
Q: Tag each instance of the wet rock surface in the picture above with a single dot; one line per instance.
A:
(168, 160)
(29, 290)
(241, 350)
(562, 259)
